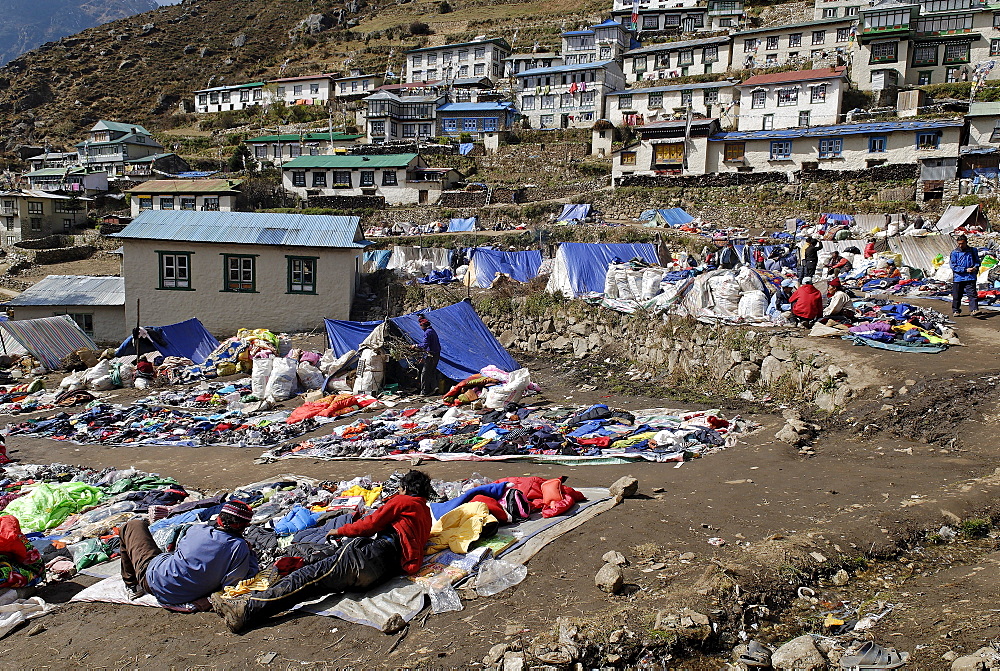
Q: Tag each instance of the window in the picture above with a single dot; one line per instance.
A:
(663, 60)
(277, 151)
(956, 53)
(628, 158)
(260, 151)
(749, 45)
(166, 203)
(463, 54)
(297, 90)
(795, 40)
(490, 124)
(145, 202)
(830, 13)
(36, 224)
(772, 42)
(817, 94)
(203, 99)
(788, 97)
(244, 96)
(210, 204)
(887, 20)
(546, 121)
(831, 148)
(843, 34)
(804, 118)
(819, 37)
(280, 92)
(313, 89)
(735, 151)
(757, 99)
(294, 150)
(994, 47)
(951, 75)
(687, 95)
(655, 100)
(302, 274)
(650, 22)
(367, 178)
(781, 150)
(479, 52)
(876, 144)
(925, 54)
(35, 207)
(928, 140)
(451, 125)
(770, 60)
(668, 154)
(884, 52)
(711, 96)
(851, 11)
(625, 102)
(470, 125)
(479, 70)
(9, 223)
(996, 20)
(943, 24)
(587, 98)
(258, 94)
(213, 98)
(548, 102)
(226, 96)
(409, 130)
(710, 54)
(298, 178)
(319, 178)
(923, 78)
(566, 100)
(767, 122)
(425, 130)
(188, 203)
(389, 178)
(685, 57)
(175, 270)
(341, 178)
(84, 321)
(432, 59)
(239, 273)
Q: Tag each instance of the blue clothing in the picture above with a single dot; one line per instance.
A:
(494, 490)
(297, 519)
(960, 260)
(207, 559)
(430, 343)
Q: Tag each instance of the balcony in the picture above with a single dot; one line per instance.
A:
(8, 211)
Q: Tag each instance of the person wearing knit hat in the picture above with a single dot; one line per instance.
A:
(430, 346)
(207, 558)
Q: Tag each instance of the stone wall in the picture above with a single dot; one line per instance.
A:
(348, 202)
(462, 199)
(60, 255)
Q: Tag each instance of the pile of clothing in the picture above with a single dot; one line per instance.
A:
(32, 397)
(205, 395)
(139, 424)
(885, 324)
(517, 431)
(232, 356)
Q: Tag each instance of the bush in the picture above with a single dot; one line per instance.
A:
(420, 28)
(444, 7)
(465, 137)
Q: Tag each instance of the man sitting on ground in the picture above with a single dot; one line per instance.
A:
(372, 550)
(838, 264)
(208, 557)
(807, 303)
(840, 300)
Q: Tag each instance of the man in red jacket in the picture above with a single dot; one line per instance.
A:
(807, 303)
(372, 550)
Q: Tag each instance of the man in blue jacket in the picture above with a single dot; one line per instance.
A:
(964, 263)
(431, 347)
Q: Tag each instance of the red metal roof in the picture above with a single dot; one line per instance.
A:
(795, 76)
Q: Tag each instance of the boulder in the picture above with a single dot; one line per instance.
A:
(840, 578)
(799, 654)
(616, 558)
(624, 487)
(610, 579)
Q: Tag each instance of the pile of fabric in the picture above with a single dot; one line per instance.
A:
(232, 356)
(885, 324)
(140, 424)
(595, 434)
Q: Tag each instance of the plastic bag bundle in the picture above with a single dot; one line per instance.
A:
(444, 599)
(651, 278)
(511, 391)
(259, 376)
(282, 383)
(310, 377)
(726, 294)
(752, 305)
(496, 575)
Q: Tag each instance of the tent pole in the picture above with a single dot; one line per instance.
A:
(3, 341)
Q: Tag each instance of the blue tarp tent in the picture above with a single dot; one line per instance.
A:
(672, 217)
(188, 339)
(376, 260)
(462, 225)
(834, 218)
(580, 267)
(466, 344)
(574, 212)
(486, 263)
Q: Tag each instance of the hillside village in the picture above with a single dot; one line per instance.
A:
(650, 334)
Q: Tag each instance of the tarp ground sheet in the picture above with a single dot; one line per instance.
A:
(376, 260)
(462, 225)
(581, 267)
(919, 252)
(467, 345)
(48, 339)
(188, 339)
(486, 263)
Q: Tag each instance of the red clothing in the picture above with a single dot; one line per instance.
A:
(807, 302)
(869, 250)
(560, 499)
(409, 516)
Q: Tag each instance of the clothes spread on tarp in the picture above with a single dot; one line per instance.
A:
(901, 327)
(518, 432)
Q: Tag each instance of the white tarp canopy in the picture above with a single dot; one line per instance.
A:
(955, 217)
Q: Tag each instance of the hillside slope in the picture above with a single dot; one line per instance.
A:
(30, 24)
(123, 71)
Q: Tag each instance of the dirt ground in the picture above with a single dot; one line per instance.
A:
(859, 494)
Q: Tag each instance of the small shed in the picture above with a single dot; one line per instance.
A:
(96, 304)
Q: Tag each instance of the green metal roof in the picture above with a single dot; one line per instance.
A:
(345, 161)
(304, 137)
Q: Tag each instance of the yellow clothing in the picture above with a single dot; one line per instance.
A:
(258, 583)
(370, 495)
(459, 528)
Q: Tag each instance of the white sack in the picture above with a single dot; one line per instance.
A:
(500, 395)
(310, 377)
(282, 383)
(258, 377)
(753, 305)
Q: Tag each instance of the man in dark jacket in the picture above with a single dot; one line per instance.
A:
(964, 264)
(431, 347)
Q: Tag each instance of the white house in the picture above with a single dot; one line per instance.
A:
(479, 58)
(677, 59)
(27, 214)
(391, 117)
(402, 179)
(78, 179)
(567, 96)
(111, 147)
(229, 98)
(791, 99)
(276, 148)
(306, 90)
(815, 43)
(606, 41)
(96, 304)
(517, 62)
(663, 17)
(641, 106)
(54, 159)
(356, 85)
(837, 9)
(204, 195)
(666, 148)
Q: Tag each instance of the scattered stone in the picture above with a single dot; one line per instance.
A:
(818, 557)
(495, 654)
(37, 629)
(687, 556)
(799, 654)
(610, 579)
(657, 566)
(840, 578)
(624, 487)
(239, 40)
(950, 656)
(969, 663)
(513, 661)
(612, 557)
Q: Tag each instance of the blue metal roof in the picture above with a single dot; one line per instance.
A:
(578, 32)
(476, 107)
(675, 87)
(608, 23)
(556, 69)
(247, 228)
(840, 129)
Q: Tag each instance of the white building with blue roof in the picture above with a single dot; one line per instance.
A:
(475, 119)
(640, 106)
(606, 41)
(567, 96)
(283, 272)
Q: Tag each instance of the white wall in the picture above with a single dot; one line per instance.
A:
(108, 320)
(820, 113)
(785, 51)
(615, 113)
(227, 202)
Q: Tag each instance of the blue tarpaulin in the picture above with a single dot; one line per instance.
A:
(462, 225)
(580, 267)
(466, 344)
(574, 212)
(673, 217)
(465, 148)
(188, 339)
(376, 260)
(521, 266)
(832, 218)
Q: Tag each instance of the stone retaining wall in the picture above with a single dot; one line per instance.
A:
(348, 202)
(61, 255)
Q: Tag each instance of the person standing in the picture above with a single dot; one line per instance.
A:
(431, 347)
(810, 258)
(728, 257)
(964, 264)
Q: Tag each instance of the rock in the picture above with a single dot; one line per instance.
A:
(617, 558)
(624, 487)
(789, 435)
(507, 339)
(513, 661)
(239, 40)
(817, 557)
(969, 663)
(495, 654)
(147, 28)
(840, 578)
(950, 656)
(799, 654)
(610, 579)
(188, 49)
(687, 556)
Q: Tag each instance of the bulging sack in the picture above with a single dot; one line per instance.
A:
(283, 382)
(259, 376)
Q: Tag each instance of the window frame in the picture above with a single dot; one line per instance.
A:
(794, 40)
(367, 179)
(755, 103)
(817, 94)
(952, 60)
(389, 178)
(162, 257)
(228, 284)
(927, 134)
(916, 61)
(313, 261)
(145, 203)
(629, 155)
(874, 57)
(873, 143)
(776, 146)
(734, 151)
(818, 37)
(788, 97)
(831, 147)
(299, 178)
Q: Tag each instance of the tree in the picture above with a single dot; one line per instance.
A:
(444, 7)
(420, 28)
(241, 160)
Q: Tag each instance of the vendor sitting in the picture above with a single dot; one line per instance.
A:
(779, 306)
(840, 301)
(838, 264)
(207, 558)
(807, 303)
(377, 547)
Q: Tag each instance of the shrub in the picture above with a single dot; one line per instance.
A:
(420, 28)
(444, 7)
